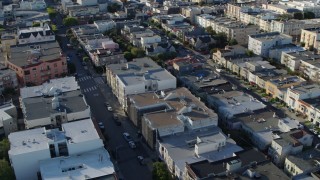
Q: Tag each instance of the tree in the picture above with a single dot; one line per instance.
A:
(4, 148)
(302, 44)
(71, 68)
(249, 53)
(70, 21)
(8, 91)
(138, 53)
(209, 29)
(114, 7)
(36, 24)
(128, 55)
(85, 59)
(74, 41)
(52, 12)
(311, 48)
(202, 3)
(232, 42)
(309, 15)
(54, 28)
(160, 172)
(298, 15)
(6, 172)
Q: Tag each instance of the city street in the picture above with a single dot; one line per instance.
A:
(96, 94)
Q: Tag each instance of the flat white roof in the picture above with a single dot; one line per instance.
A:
(40, 138)
(63, 84)
(80, 131)
(3, 116)
(88, 165)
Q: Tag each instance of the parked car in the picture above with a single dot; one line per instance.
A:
(132, 145)
(68, 58)
(127, 137)
(141, 160)
(116, 120)
(101, 126)
(110, 108)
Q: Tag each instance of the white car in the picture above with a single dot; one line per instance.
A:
(110, 108)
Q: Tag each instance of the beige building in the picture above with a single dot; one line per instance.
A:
(293, 27)
(311, 38)
(277, 88)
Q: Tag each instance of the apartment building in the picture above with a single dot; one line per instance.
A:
(296, 93)
(246, 164)
(277, 88)
(260, 44)
(305, 6)
(138, 76)
(293, 27)
(229, 104)
(53, 103)
(35, 34)
(289, 143)
(302, 163)
(168, 112)
(280, 8)
(9, 118)
(311, 38)
(309, 108)
(28, 148)
(8, 79)
(233, 29)
(306, 62)
(104, 25)
(181, 149)
(36, 63)
(33, 5)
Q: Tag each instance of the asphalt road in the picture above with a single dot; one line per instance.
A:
(96, 93)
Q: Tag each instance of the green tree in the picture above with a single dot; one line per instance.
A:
(54, 28)
(160, 172)
(74, 41)
(209, 29)
(6, 172)
(232, 42)
(52, 12)
(114, 7)
(4, 148)
(71, 68)
(311, 48)
(202, 3)
(309, 15)
(70, 21)
(137, 52)
(9, 91)
(302, 44)
(128, 55)
(36, 24)
(85, 59)
(298, 15)
(249, 53)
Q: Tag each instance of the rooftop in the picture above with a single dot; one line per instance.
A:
(310, 88)
(306, 159)
(179, 100)
(291, 138)
(62, 85)
(93, 164)
(286, 80)
(205, 168)
(236, 102)
(270, 36)
(307, 56)
(39, 139)
(181, 147)
(24, 55)
(35, 108)
(315, 102)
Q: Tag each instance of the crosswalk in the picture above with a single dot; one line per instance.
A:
(84, 78)
(99, 80)
(90, 89)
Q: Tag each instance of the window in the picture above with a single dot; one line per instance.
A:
(55, 64)
(26, 72)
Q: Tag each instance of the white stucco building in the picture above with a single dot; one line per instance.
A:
(260, 44)
(29, 147)
(8, 119)
(33, 5)
(138, 76)
(53, 103)
(104, 25)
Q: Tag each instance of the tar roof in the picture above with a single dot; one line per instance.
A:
(163, 119)
(306, 88)
(181, 152)
(24, 55)
(93, 164)
(41, 107)
(315, 102)
(204, 168)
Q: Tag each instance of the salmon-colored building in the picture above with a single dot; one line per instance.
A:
(36, 63)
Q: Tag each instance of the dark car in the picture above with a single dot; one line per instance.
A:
(116, 120)
(101, 126)
(127, 137)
